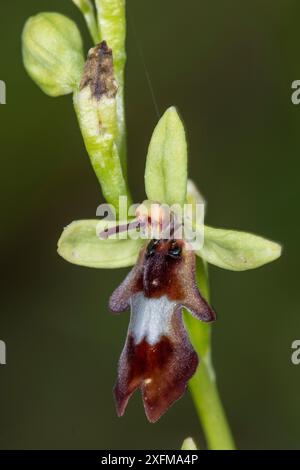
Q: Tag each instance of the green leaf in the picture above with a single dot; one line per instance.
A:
(189, 444)
(237, 251)
(166, 167)
(80, 244)
(53, 53)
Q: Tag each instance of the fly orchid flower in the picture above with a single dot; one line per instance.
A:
(157, 357)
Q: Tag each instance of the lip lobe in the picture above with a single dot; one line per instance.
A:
(162, 370)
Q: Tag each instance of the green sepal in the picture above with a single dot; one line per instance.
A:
(80, 244)
(237, 251)
(166, 166)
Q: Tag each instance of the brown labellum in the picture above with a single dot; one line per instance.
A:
(157, 356)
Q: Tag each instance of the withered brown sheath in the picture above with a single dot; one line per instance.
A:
(158, 356)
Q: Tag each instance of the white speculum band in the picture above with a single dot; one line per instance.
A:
(150, 318)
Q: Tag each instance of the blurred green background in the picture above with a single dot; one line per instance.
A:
(228, 66)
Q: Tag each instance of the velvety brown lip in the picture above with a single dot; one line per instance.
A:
(165, 270)
(151, 367)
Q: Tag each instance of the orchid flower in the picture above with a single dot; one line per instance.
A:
(157, 357)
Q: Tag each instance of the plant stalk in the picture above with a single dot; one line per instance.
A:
(112, 27)
(87, 9)
(203, 385)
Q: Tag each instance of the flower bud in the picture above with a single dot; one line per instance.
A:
(53, 53)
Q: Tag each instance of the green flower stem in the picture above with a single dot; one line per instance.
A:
(87, 9)
(203, 384)
(112, 27)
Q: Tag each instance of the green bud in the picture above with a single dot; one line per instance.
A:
(189, 444)
(53, 53)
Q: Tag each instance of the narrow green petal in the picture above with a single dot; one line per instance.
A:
(87, 9)
(193, 195)
(237, 251)
(80, 244)
(166, 167)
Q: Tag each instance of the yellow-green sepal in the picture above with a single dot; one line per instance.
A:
(166, 166)
(80, 244)
(237, 251)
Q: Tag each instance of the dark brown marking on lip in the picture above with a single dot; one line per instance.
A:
(166, 268)
(99, 72)
(161, 370)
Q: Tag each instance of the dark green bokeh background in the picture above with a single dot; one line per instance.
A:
(228, 66)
